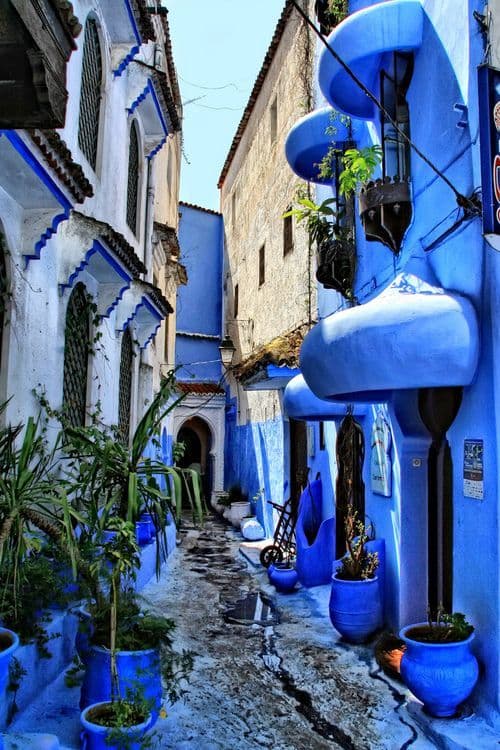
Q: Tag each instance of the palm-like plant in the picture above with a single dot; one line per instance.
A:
(110, 475)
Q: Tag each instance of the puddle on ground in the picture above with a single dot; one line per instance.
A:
(254, 609)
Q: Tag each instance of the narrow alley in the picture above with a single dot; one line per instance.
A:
(286, 683)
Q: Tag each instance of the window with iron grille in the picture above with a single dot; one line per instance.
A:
(77, 346)
(133, 179)
(125, 386)
(287, 234)
(90, 96)
(165, 340)
(394, 84)
(262, 265)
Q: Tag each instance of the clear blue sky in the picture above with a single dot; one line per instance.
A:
(220, 45)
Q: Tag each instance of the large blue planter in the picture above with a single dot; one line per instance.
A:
(283, 577)
(136, 669)
(441, 675)
(149, 518)
(95, 737)
(142, 532)
(355, 608)
(9, 641)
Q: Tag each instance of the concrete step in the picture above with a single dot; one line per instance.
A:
(31, 741)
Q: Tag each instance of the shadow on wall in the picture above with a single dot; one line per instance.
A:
(254, 461)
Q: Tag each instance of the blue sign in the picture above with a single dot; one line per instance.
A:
(489, 128)
(474, 469)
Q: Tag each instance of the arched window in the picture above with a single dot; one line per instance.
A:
(76, 356)
(133, 178)
(125, 386)
(90, 96)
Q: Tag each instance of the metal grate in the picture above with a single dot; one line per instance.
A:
(125, 386)
(287, 234)
(76, 356)
(133, 179)
(90, 96)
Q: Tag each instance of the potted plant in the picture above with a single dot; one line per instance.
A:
(283, 575)
(122, 689)
(355, 599)
(438, 665)
(336, 252)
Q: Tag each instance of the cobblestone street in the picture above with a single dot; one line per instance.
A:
(287, 686)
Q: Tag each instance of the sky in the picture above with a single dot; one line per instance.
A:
(218, 48)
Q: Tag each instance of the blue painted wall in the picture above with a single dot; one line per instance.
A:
(199, 303)
(444, 75)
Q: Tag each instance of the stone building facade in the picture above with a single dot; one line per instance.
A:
(269, 270)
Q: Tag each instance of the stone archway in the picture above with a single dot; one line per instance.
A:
(197, 436)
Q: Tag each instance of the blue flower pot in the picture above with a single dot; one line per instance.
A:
(283, 577)
(95, 737)
(136, 669)
(149, 518)
(142, 533)
(355, 608)
(441, 675)
(9, 641)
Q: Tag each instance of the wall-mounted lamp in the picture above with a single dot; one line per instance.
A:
(227, 350)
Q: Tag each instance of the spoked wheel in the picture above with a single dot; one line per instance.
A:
(270, 554)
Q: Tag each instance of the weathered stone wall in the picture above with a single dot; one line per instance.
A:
(258, 189)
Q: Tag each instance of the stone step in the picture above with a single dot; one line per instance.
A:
(31, 741)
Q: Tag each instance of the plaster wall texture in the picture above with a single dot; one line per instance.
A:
(444, 75)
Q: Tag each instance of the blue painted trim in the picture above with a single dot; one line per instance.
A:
(149, 89)
(23, 150)
(97, 247)
(135, 49)
(126, 60)
(274, 371)
(151, 309)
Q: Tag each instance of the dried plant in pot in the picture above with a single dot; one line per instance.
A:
(355, 599)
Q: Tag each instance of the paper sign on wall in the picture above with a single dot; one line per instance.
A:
(380, 461)
(473, 469)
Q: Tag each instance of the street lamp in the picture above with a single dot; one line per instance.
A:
(227, 350)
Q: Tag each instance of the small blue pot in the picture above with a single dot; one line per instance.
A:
(355, 608)
(142, 533)
(283, 577)
(9, 641)
(149, 518)
(95, 737)
(441, 675)
(136, 670)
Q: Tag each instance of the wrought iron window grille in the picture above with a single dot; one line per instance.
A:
(90, 96)
(77, 347)
(133, 179)
(125, 386)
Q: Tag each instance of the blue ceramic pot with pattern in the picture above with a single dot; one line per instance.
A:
(441, 675)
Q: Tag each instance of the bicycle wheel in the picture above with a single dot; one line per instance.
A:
(270, 555)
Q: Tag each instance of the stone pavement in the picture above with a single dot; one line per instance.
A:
(288, 683)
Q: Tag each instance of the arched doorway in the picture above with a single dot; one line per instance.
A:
(197, 438)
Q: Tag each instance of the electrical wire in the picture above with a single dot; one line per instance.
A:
(470, 204)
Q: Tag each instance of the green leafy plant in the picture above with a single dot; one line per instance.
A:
(446, 628)
(316, 217)
(359, 166)
(178, 451)
(337, 11)
(357, 564)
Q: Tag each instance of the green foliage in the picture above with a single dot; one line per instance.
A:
(337, 11)
(178, 451)
(359, 166)
(316, 217)
(357, 564)
(445, 629)
(16, 674)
